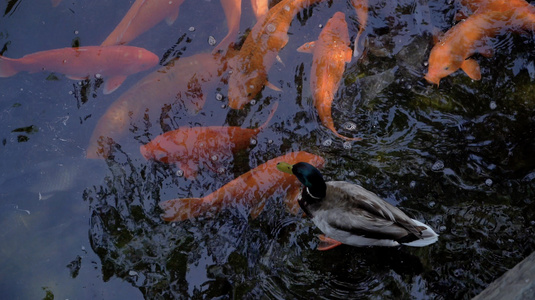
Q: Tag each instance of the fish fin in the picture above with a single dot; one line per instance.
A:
(113, 83)
(257, 209)
(471, 68)
(273, 87)
(279, 59)
(346, 138)
(271, 114)
(307, 47)
(292, 197)
(7, 67)
(349, 55)
(182, 209)
(55, 2)
(171, 18)
(74, 77)
(326, 243)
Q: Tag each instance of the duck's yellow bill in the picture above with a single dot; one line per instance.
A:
(285, 167)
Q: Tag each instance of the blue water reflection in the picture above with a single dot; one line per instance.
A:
(458, 157)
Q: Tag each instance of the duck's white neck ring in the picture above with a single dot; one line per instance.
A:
(312, 196)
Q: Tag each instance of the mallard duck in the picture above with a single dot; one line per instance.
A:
(349, 214)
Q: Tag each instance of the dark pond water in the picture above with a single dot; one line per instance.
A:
(459, 157)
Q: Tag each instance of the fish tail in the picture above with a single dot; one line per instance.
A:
(182, 209)
(428, 236)
(345, 137)
(271, 114)
(7, 67)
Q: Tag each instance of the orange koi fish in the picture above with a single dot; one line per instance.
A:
(189, 147)
(143, 15)
(259, 51)
(330, 54)
(182, 81)
(114, 63)
(251, 189)
(453, 51)
(361, 8)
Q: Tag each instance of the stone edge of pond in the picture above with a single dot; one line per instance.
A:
(517, 283)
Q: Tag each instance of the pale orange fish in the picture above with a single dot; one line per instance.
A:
(331, 52)
(55, 2)
(188, 147)
(143, 15)
(260, 8)
(182, 81)
(232, 9)
(112, 63)
(453, 51)
(259, 51)
(251, 190)
(361, 8)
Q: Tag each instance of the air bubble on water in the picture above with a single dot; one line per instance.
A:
(223, 106)
(431, 204)
(488, 182)
(327, 142)
(211, 41)
(218, 96)
(271, 28)
(76, 32)
(70, 93)
(438, 166)
(532, 222)
(493, 105)
(253, 102)
(349, 125)
(352, 173)
(214, 158)
(253, 142)
(320, 25)
(442, 228)
(221, 170)
(426, 63)
(347, 145)
(98, 75)
(191, 29)
(412, 184)
(270, 141)
(179, 173)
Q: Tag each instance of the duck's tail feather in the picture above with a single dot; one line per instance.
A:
(428, 236)
(182, 209)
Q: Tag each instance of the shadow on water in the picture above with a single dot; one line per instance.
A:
(458, 157)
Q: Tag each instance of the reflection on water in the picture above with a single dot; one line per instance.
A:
(458, 157)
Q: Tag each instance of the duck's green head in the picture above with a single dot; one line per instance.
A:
(309, 176)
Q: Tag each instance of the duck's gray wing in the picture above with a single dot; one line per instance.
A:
(352, 208)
